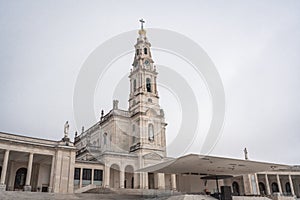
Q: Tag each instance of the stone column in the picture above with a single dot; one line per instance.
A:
(106, 176)
(267, 185)
(247, 184)
(27, 186)
(155, 87)
(136, 180)
(173, 182)
(279, 184)
(51, 174)
(291, 184)
(4, 170)
(92, 181)
(256, 183)
(161, 181)
(146, 184)
(143, 84)
(80, 178)
(144, 180)
(122, 178)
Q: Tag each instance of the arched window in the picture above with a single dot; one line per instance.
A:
(148, 84)
(235, 188)
(262, 188)
(288, 188)
(275, 187)
(145, 50)
(20, 178)
(150, 100)
(150, 132)
(105, 138)
(134, 85)
(137, 52)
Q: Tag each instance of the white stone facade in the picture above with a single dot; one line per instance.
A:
(127, 140)
(33, 164)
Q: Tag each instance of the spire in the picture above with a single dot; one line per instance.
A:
(142, 31)
(143, 56)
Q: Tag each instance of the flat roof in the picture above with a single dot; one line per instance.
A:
(211, 165)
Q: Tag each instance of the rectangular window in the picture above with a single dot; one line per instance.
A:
(77, 174)
(87, 174)
(98, 175)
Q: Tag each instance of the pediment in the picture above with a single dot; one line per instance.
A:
(153, 156)
(151, 112)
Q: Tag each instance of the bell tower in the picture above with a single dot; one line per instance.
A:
(147, 117)
(143, 87)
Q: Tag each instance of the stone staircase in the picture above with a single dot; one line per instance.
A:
(192, 197)
(250, 198)
(85, 189)
(100, 190)
(20, 195)
(138, 193)
(115, 194)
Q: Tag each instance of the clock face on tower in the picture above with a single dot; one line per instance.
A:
(147, 63)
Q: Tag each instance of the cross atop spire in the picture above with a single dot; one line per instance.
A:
(142, 23)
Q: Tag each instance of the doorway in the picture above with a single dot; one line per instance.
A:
(20, 179)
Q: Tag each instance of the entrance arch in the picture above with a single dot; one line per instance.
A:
(262, 188)
(129, 178)
(20, 179)
(114, 172)
(235, 188)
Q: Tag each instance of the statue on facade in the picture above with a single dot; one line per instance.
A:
(102, 114)
(246, 154)
(66, 130)
(162, 113)
(115, 104)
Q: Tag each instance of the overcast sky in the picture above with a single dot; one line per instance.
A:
(255, 46)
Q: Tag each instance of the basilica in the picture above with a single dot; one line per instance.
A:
(126, 149)
(127, 140)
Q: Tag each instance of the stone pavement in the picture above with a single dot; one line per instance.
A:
(14, 195)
